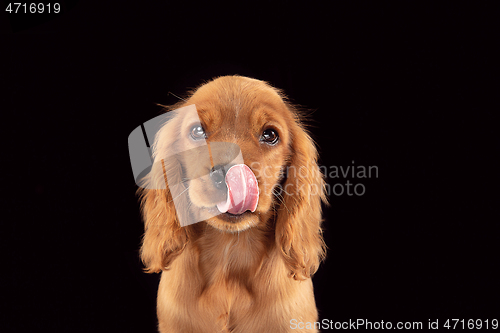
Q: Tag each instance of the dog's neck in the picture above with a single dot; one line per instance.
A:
(232, 256)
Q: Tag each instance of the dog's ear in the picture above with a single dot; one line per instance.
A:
(164, 238)
(298, 225)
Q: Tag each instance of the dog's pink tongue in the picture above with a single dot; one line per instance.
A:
(242, 191)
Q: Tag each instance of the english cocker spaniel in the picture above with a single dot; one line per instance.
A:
(246, 265)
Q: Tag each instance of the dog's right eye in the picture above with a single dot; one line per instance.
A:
(198, 133)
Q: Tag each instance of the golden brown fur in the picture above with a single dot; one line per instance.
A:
(253, 275)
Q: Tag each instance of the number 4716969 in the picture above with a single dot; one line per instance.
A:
(26, 8)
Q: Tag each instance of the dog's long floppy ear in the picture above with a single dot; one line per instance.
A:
(164, 238)
(298, 224)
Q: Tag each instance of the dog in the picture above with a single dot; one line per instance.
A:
(247, 266)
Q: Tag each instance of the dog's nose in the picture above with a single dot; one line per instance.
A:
(218, 176)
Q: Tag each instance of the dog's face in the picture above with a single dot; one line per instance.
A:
(252, 115)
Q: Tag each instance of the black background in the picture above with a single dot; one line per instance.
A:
(410, 89)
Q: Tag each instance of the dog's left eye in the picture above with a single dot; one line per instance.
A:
(270, 137)
(198, 133)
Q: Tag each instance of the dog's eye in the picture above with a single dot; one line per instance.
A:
(198, 133)
(269, 136)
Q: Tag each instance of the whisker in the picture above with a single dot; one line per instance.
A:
(279, 196)
(187, 188)
(171, 93)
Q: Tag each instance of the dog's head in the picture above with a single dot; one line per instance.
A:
(277, 183)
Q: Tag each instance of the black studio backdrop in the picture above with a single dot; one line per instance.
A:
(410, 90)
